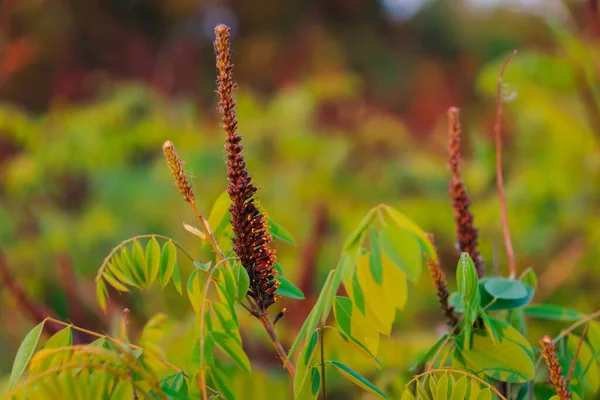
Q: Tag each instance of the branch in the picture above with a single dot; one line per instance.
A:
(500, 185)
(572, 368)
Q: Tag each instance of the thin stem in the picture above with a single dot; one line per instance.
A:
(499, 182)
(572, 368)
(264, 319)
(570, 329)
(322, 339)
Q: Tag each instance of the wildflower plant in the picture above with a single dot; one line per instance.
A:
(483, 354)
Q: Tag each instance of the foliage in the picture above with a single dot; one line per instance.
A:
(349, 334)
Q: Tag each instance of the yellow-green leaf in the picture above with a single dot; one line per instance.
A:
(112, 281)
(233, 349)
(459, 391)
(168, 261)
(194, 288)
(101, 293)
(508, 360)
(139, 259)
(153, 259)
(25, 352)
(356, 378)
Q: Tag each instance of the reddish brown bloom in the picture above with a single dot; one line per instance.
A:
(439, 282)
(556, 376)
(252, 241)
(466, 233)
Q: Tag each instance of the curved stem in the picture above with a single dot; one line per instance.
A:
(510, 253)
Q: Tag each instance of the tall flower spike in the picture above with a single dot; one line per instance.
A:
(466, 233)
(176, 167)
(252, 241)
(439, 282)
(556, 376)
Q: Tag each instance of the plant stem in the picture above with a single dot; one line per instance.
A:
(266, 322)
(322, 338)
(510, 253)
(572, 368)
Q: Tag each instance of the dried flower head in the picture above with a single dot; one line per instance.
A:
(252, 241)
(438, 277)
(556, 376)
(176, 166)
(466, 233)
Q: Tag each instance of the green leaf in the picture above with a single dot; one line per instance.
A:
(552, 312)
(313, 317)
(233, 349)
(356, 378)
(342, 311)
(359, 297)
(304, 362)
(468, 288)
(360, 347)
(504, 288)
(404, 249)
(153, 259)
(24, 353)
(117, 269)
(315, 381)
(507, 360)
(101, 293)
(427, 356)
(176, 278)
(139, 259)
(279, 232)
(442, 388)
(112, 281)
(459, 391)
(485, 394)
(168, 261)
(375, 264)
(310, 387)
(287, 289)
(204, 267)
(407, 395)
(505, 295)
(134, 269)
(243, 283)
(403, 222)
(194, 289)
(312, 345)
(218, 218)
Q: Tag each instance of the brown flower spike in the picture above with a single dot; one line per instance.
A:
(176, 166)
(439, 282)
(252, 241)
(556, 376)
(466, 233)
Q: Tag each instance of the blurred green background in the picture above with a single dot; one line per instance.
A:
(341, 105)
